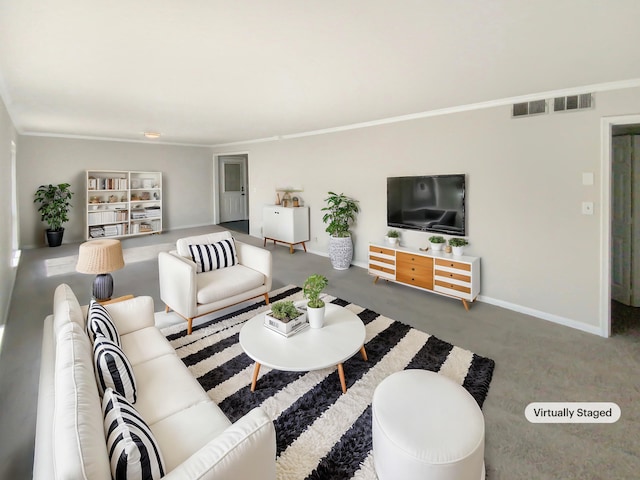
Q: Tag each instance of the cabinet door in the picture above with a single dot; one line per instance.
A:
(414, 270)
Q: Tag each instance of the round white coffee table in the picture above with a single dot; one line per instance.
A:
(341, 337)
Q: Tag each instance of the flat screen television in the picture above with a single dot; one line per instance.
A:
(429, 203)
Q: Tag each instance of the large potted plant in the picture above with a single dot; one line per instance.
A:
(341, 212)
(55, 201)
(313, 286)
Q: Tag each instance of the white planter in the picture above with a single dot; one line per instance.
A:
(457, 251)
(392, 240)
(340, 252)
(316, 316)
(436, 247)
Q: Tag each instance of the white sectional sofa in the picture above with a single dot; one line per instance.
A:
(195, 438)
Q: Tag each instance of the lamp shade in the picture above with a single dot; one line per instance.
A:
(100, 256)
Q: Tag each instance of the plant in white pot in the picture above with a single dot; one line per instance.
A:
(393, 237)
(437, 242)
(457, 245)
(341, 212)
(55, 201)
(313, 286)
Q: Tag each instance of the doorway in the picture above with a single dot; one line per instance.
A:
(232, 192)
(625, 235)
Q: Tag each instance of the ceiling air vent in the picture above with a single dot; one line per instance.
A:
(573, 102)
(526, 109)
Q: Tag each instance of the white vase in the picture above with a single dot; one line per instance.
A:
(457, 251)
(436, 246)
(392, 241)
(340, 252)
(315, 316)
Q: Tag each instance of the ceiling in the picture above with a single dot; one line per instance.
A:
(211, 72)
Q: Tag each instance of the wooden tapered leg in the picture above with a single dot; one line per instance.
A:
(256, 371)
(466, 305)
(291, 248)
(305, 247)
(265, 243)
(343, 382)
(266, 298)
(375, 280)
(364, 354)
(189, 325)
(166, 309)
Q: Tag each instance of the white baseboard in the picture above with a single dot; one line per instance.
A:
(567, 322)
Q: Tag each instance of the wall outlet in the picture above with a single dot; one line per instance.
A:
(587, 208)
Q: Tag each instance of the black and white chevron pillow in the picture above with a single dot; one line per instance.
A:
(113, 369)
(217, 255)
(133, 450)
(99, 323)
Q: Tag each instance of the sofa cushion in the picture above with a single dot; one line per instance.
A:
(145, 344)
(214, 256)
(133, 450)
(99, 324)
(182, 244)
(220, 284)
(79, 449)
(66, 308)
(113, 369)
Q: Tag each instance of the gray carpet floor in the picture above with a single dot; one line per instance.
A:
(536, 361)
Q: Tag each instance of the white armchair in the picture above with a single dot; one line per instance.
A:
(191, 294)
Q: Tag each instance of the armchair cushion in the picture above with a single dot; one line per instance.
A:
(182, 244)
(220, 284)
(214, 256)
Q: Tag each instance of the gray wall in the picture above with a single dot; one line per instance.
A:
(7, 271)
(539, 254)
(187, 179)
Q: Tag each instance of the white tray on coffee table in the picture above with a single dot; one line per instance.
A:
(341, 337)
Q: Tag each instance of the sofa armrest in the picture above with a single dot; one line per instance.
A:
(132, 315)
(178, 285)
(246, 449)
(256, 258)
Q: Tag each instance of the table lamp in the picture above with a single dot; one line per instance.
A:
(101, 257)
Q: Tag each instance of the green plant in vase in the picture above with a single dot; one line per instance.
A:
(312, 288)
(55, 202)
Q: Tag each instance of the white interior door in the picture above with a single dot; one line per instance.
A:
(233, 188)
(621, 219)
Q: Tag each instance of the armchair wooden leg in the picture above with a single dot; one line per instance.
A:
(266, 298)
(167, 309)
(189, 326)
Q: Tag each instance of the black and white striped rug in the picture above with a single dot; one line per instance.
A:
(321, 432)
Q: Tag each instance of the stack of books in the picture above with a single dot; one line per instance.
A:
(286, 329)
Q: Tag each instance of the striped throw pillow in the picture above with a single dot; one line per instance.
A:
(133, 450)
(99, 324)
(217, 255)
(113, 369)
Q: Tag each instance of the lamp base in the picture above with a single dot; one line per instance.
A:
(103, 287)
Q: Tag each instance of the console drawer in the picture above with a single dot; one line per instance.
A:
(452, 288)
(421, 280)
(444, 275)
(441, 262)
(409, 259)
(382, 250)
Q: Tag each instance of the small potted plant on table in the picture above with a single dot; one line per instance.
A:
(393, 237)
(284, 317)
(311, 290)
(437, 242)
(457, 245)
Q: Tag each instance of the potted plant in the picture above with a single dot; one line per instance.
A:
(437, 242)
(313, 286)
(458, 244)
(393, 237)
(54, 207)
(284, 317)
(341, 211)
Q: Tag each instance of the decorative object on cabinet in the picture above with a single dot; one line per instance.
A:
(341, 212)
(101, 257)
(311, 290)
(437, 242)
(393, 237)
(286, 225)
(457, 245)
(121, 205)
(433, 271)
(55, 202)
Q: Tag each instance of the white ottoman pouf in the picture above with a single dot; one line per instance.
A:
(425, 426)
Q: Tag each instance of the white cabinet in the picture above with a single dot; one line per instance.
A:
(437, 272)
(288, 225)
(123, 203)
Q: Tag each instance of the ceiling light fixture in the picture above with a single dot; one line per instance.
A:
(152, 135)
